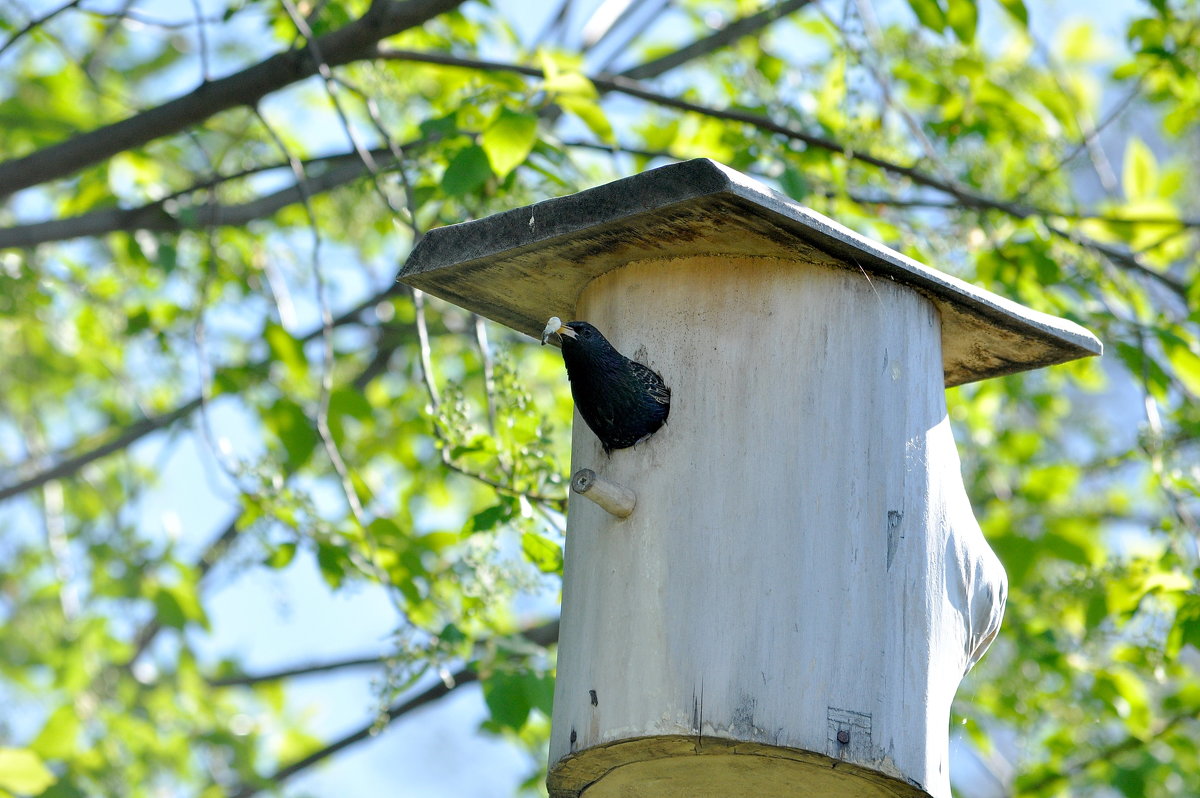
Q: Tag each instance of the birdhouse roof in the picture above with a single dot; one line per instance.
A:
(521, 266)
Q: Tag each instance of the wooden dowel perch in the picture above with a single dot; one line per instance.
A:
(616, 499)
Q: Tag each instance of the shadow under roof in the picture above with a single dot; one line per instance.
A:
(522, 266)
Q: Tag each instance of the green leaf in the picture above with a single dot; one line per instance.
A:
(511, 696)
(168, 610)
(281, 556)
(542, 552)
(59, 735)
(1186, 628)
(233, 379)
(590, 113)
(1018, 11)
(929, 13)
(332, 562)
(963, 17)
(177, 605)
(1078, 43)
(570, 83)
(292, 428)
(468, 170)
(509, 140)
(1139, 177)
(491, 517)
(387, 532)
(23, 772)
(505, 696)
(1184, 360)
(794, 183)
(287, 350)
(350, 402)
(442, 127)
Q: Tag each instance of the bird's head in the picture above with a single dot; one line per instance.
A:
(576, 331)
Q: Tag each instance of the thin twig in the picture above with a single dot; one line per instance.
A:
(70, 465)
(123, 440)
(326, 373)
(251, 679)
(37, 23)
(355, 41)
(966, 196)
(543, 635)
(726, 35)
(1104, 754)
(326, 73)
(201, 42)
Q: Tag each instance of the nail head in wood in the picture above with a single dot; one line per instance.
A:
(614, 498)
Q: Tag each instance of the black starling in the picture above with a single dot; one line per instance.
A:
(622, 401)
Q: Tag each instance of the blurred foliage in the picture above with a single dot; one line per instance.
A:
(178, 301)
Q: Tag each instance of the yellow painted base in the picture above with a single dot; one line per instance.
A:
(679, 766)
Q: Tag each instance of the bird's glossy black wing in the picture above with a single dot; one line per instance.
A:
(654, 385)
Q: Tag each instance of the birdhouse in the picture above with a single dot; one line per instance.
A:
(779, 591)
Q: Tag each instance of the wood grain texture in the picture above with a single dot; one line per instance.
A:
(803, 566)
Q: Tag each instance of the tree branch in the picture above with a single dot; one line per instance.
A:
(1103, 754)
(966, 196)
(37, 23)
(140, 429)
(251, 679)
(125, 438)
(730, 33)
(155, 217)
(213, 552)
(354, 42)
(544, 634)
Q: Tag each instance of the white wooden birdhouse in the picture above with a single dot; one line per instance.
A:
(789, 584)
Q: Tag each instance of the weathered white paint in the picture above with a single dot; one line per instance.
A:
(613, 498)
(802, 560)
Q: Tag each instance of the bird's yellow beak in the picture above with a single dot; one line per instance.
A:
(555, 327)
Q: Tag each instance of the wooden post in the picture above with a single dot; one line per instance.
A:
(801, 585)
(613, 498)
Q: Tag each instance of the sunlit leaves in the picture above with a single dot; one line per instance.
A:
(509, 140)
(1140, 173)
(931, 14)
(542, 552)
(1017, 9)
(22, 772)
(1083, 477)
(1186, 627)
(288, 351)
(963, 17)
(178, 605)
(575, 93)
(281, 556)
